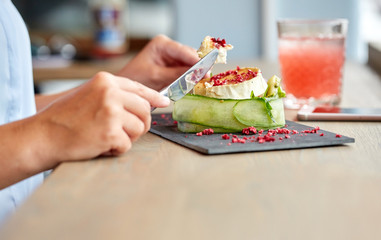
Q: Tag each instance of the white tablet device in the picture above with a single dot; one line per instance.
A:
(308, 113)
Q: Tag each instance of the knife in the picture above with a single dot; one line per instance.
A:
(186, 82)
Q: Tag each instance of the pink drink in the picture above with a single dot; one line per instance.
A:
(312, 55)
(312, 67)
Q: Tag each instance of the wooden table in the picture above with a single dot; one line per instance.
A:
(161, 190)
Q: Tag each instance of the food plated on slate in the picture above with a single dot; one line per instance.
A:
(230, 101)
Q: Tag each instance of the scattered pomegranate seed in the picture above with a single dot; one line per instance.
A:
(218, 42)
(249, 130)
(208, 131)
(225, 136)
(246, 131)
(175, 122)
(237, 78)
(268, 138)
(315, 130)
(162, 115)
(271, 132)
(154, 123)
(270, 135)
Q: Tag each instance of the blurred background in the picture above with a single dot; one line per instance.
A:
(90, 35)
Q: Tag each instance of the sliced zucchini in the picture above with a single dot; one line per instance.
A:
(207, 111)
(253, 112)
(195, 113)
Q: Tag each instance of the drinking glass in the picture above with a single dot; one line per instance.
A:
(311, 56)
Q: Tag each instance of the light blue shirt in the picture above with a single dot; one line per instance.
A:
(16, 93)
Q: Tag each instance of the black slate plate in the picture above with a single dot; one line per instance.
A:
(164, 126)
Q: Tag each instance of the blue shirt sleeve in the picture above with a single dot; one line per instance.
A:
(16, 93)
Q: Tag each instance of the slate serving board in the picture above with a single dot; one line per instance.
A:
(164, 126)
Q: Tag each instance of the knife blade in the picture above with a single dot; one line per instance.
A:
(186, 82)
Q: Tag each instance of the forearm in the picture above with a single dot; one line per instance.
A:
(43, 101)
(23, 151)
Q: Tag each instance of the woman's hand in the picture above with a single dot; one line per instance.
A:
(160, 63)
(103, 116)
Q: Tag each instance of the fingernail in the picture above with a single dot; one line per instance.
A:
(166, 101)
